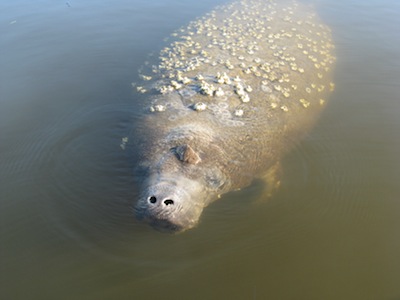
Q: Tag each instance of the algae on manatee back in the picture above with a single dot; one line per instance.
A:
(238, 87)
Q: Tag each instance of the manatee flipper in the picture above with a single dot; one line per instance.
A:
(272, 182)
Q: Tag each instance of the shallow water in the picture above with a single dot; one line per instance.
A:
(66, 185)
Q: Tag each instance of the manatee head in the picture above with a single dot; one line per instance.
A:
(177, 187)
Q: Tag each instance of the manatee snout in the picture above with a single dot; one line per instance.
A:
(169, 206)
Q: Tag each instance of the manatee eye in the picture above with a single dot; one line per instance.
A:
(214, 179)
(213, 182)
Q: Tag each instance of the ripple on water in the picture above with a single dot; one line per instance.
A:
(337, 175)
(322, 180)
(85, 177)
(87, 187)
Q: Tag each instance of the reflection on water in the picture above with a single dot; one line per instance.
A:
(66, 186)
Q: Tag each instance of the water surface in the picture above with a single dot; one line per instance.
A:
(66, 183)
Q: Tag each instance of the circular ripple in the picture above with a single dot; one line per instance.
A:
(323, 183)
(86, 178)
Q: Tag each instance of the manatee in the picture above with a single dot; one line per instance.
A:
(224, 101)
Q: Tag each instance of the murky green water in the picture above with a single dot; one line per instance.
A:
(66, 186)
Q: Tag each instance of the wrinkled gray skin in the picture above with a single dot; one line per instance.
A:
(231, 94)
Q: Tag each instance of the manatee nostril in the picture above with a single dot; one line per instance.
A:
(152, 199)
(168, 202)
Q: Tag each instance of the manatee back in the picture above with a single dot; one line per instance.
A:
(258, 72)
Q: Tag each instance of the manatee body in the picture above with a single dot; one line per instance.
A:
(229, 96)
